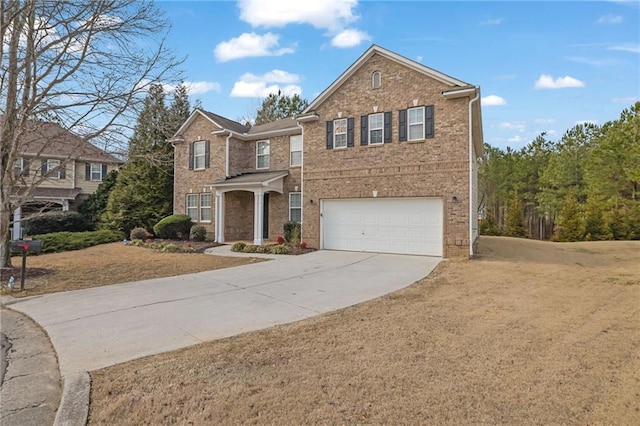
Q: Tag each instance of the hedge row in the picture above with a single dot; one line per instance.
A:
(67, 241)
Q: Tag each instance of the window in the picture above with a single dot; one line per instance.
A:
(340, 133)
(205, 207)
(50, 166)
(376, 79)
(376, 125)
(295, 207)
(416, 124)
(199, 152)
(96, 172)
(295, 148)
(192, 206)
(262, 155)
(21, 167)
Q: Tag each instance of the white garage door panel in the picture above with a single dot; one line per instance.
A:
(384, 225)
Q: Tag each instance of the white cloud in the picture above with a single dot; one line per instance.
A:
(610, 19)
(517, 126)
(332, 15)
(349, 38)
(419, 58)
(199, 87)
(626, 47)
(259, 86)
(493, 100)
(625, 100)
(494, 21)
(545, 81)
(515, 139)
(544, 120)
(250, 45)
(551, 132)
(591, 61)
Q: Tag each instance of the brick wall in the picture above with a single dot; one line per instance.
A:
(435, 167)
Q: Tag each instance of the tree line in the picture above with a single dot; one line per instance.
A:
(583, 187)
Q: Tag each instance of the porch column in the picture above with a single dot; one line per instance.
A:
(219, 225)
(258, 216)
(17, 215)
(65, 205)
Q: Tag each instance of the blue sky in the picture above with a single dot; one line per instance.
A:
(542, 66)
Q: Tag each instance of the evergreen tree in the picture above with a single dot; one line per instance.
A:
(570, 228)
(594, 224)
(275, 107)
(515, 218)
(143, 193)
(96, 203)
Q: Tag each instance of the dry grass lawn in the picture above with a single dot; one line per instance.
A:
(112, 263)
(529, 333)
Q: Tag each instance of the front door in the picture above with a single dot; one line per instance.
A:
(265, 222)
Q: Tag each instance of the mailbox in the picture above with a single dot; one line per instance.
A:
(32, 246)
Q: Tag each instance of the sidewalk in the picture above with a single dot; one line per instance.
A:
(30, 388)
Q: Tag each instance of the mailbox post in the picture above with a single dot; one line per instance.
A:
(33, 246)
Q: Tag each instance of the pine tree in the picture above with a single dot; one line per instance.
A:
(143, 193)
(570, 226)
(96, 203)
(594, 224)
(515, 218)
(277, 106)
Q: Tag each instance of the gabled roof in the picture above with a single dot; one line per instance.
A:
(374, 49)
(50, 139)
(218, 120)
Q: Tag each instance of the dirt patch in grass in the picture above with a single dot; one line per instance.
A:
(529, 333)
(109, 264)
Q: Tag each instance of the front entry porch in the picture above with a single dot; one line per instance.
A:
(233, 197)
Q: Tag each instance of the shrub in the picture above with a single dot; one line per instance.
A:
(66, 241)
(292, 232)
(250, 249)
(239, 246)
(263, 249)
(138, 234)
(198, 233)
(173, 227)
(169, 248)
(280, 239)
(279, 249)
(56, 222)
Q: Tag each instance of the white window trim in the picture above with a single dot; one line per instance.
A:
(196, 156)
(297, 207)
(409, 124)
(335, 133)
(291, 150)
(371, 129)
(18, 166)
(373, 79)
(268, 155)
(56, 163)
(187, 207)
(99, 165)
(200, 208)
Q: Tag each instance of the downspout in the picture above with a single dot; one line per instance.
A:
(471, 204)
(301, 181)
(226, 160)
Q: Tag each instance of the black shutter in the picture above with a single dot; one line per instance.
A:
(364, 129)
(402, 125)
(428, 122)
(43, 168)
(329, 134)
(25, 167)
(206, 154)
(191, 156)
(63, 170)
(350, 132)
(104, 171)
(87, 171)
(387, 127)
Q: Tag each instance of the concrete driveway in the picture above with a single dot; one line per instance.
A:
(104, 326)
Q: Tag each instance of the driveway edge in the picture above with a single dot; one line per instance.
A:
(74, 406)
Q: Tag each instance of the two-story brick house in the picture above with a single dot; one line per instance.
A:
(383, 160)
(56, 170)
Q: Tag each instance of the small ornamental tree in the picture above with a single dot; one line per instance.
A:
(570, 228)
(515, 218)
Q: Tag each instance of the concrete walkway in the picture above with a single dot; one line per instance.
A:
(99, 327)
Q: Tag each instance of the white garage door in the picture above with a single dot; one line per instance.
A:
(383, 225)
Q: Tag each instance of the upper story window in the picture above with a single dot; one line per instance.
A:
(375, 129)
(376, 79)
(262, 154)
(295, 150)
(376, 126)
(52, 169)
(21, 167)
(340, 133)
(95, 172)
(416, 123)
(199, 155)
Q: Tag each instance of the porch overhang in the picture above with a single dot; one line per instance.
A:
(252, 182)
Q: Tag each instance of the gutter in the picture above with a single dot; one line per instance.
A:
(471, 159)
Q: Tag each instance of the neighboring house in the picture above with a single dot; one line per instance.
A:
(56, 170)
(383, 160)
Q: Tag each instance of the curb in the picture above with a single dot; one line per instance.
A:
(74, 405)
